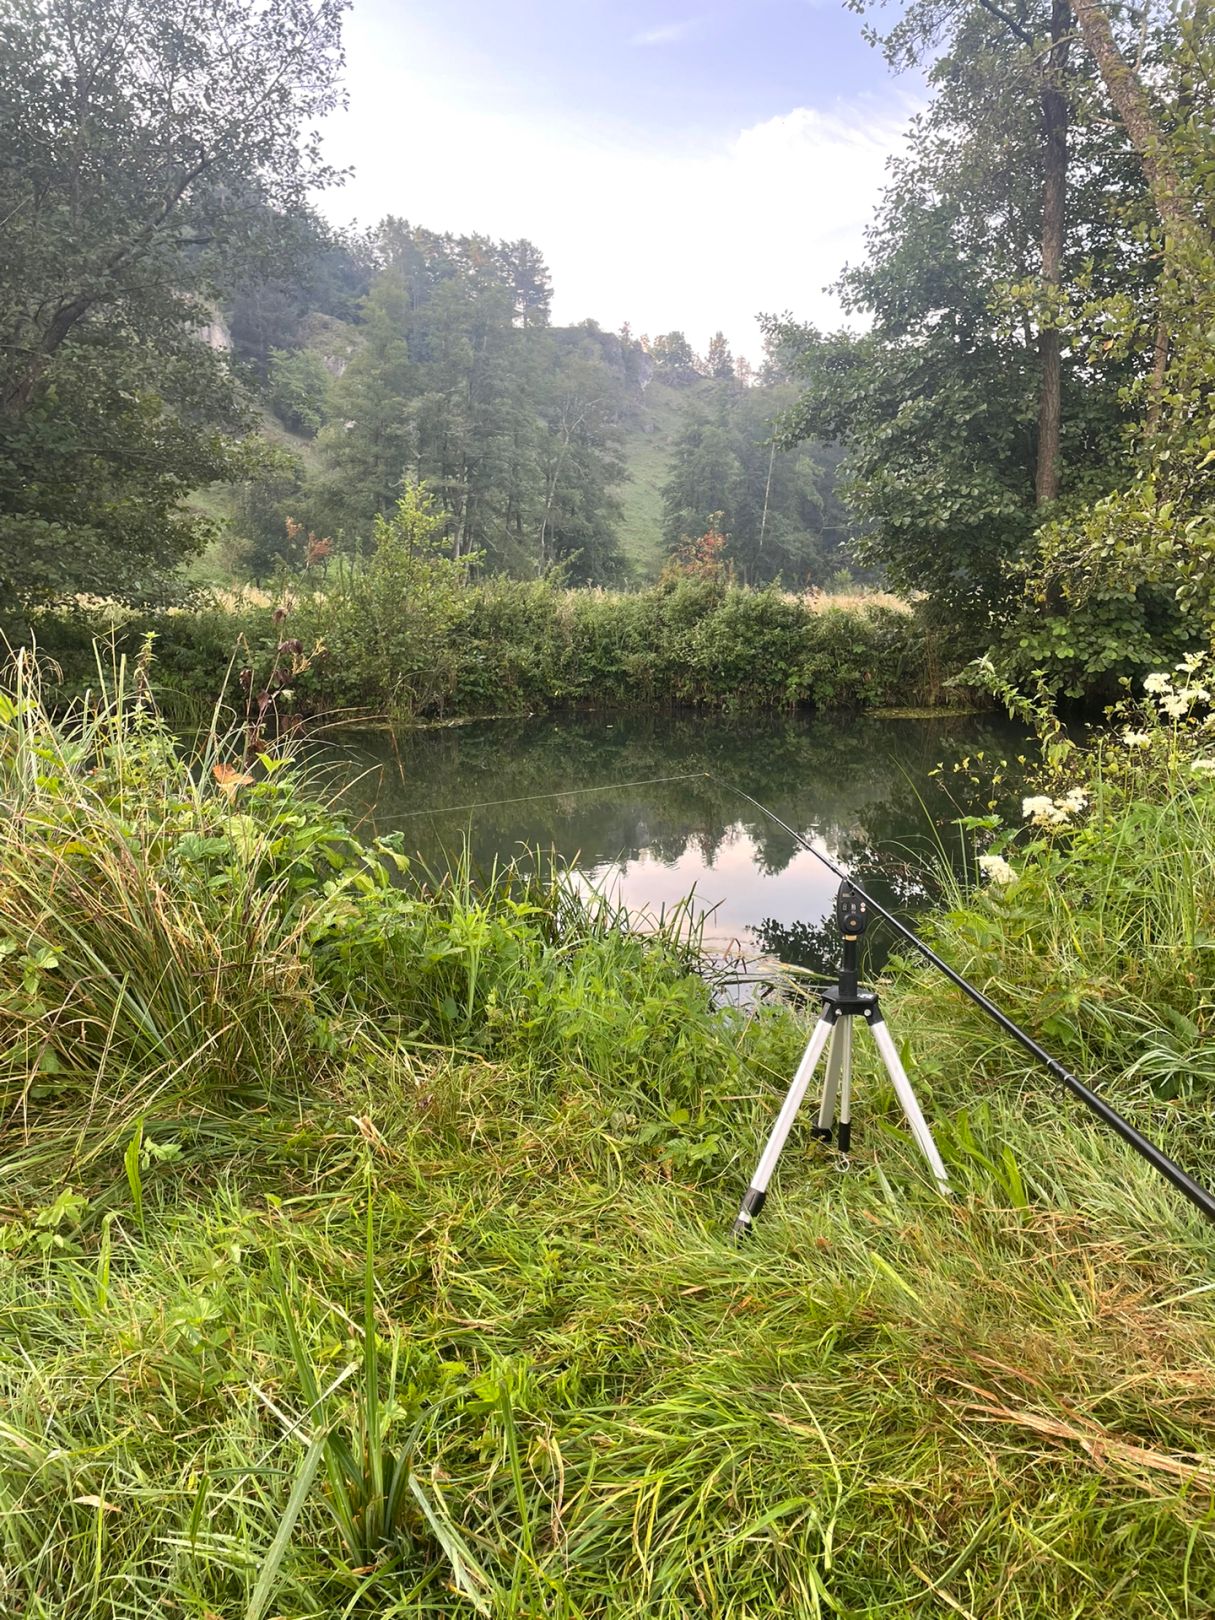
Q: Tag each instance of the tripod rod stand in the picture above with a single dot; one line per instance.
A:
(842, 1004)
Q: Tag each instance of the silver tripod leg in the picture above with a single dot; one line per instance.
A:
(753, 1199)
(844, 1134)
(838, 1081)
(911, 1108)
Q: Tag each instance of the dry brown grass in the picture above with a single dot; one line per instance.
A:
(858, 601)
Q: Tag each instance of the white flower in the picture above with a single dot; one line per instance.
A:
(997, 869)
(1206, 767)
(1046, 812)
(1194, 694)
(1174, 705)
(1191, 662)
(1135, 739)
(1161, 681)
(1073, 802)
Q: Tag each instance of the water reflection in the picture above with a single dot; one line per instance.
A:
(860, 789)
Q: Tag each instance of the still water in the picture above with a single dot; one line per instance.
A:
(864, 790)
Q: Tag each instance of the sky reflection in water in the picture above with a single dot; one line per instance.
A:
(860, 788)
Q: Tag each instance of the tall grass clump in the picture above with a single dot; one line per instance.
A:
(122, 924)
(363, 1244)
(1100, 915)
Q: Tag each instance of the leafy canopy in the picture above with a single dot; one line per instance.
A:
(938, 401)
(157, 154)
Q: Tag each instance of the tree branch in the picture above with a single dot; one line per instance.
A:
(1009, 22)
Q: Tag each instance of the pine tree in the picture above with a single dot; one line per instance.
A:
(719, 362)
(368, 444)
(674, 360)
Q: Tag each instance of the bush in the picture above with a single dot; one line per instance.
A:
(408, 635)
(1109, 596)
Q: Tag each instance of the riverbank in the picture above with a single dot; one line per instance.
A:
(439, 648)
(365, 1245)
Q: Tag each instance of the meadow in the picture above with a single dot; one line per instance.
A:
(365, 1239)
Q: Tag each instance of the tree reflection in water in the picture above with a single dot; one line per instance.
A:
(858, 787)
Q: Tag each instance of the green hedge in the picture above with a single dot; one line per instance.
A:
(505, 646)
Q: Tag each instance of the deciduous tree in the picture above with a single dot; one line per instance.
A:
(152, 150)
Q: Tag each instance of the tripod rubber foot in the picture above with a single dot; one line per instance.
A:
(822, 1133)
(845, 1135)
(753, 1202)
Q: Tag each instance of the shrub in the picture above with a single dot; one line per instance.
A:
(407, 635)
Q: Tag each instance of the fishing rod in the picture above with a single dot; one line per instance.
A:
(1197, 1194)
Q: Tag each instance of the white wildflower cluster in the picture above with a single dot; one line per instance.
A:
(1135, 739)
(1204, 767)
(996, 869)
(1177, 701)
(1043, 811)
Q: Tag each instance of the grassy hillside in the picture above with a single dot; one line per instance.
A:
(218, 501)
(648, 440)
(650, 433)
(647, 448)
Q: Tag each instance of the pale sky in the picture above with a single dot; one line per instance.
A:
(676, 168)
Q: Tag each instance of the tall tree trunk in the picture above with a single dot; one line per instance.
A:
(763, 522)
(1131, 103)
(1054, 216)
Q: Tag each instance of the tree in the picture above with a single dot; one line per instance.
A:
(940, 404)
(327, 276)
(1029, 47)
(530, 281)
(459, 382)
(719, 362)
(144, 177)
(705, 478)
(1127, 582)
(778, 507)
(368, 443)
(1129, 96)
(580, 467)
(674, 361)
(298, 389)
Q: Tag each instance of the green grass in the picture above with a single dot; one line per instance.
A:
(213, 569)
(649, 441)
(364, 1246)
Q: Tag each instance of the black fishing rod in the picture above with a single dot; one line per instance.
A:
(1197, 1194)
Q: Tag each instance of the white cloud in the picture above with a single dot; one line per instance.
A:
(666, 33)
(695, 234)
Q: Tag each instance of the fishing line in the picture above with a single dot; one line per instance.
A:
(553, 793)
(1198, 1195)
